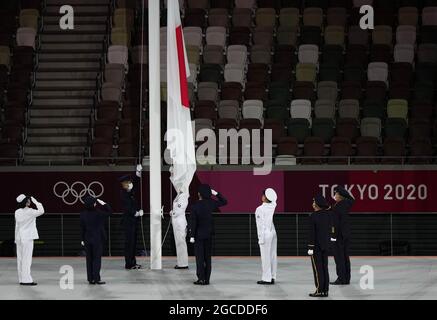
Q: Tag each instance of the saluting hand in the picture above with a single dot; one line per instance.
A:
(214, 193)
(310, 252)
(101, 202)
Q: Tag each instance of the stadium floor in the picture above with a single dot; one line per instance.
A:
(232, 278)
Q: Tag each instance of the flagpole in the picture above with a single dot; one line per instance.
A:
(155, 136)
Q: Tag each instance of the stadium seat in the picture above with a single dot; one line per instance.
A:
(349, 108)
(231, 91)
(408, 16)
(29, 18)
(324, 109)
(351, 90)
(308, 53)
(277, 129)
(406, 34)
(374, 109)
(420, 151)
(371, 127)
(253, 109)
(334, 35)
(323, 128)
(26, 37)
(229, 109)
(313, 151)
(289, 17)
(336, 16)
(212, 55)
(207, 91)
(404, 53)
(420, 128)
(327, 90)
(216, 36)
(395, 128)
(397, 108)
(341, 151)
(306, 72)
(367, 150)
(394, 151)
(218, 17)
(298, 128)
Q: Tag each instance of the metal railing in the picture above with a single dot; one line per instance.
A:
(223, 162)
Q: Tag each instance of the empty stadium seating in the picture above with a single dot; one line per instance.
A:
(303, 69)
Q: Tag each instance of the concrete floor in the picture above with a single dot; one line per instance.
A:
(232, 278)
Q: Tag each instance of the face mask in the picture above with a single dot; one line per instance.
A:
(130, 186)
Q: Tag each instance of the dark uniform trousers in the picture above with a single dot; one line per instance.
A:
(94, 252)
(130, 243)
(342, 260)
(319, 261)
(202, 248)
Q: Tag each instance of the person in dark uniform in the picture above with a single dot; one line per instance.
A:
(202, 229)
(93, 235)
(342, 233)
(131, 214)
(319, 236)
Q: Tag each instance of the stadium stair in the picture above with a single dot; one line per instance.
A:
(68, 64)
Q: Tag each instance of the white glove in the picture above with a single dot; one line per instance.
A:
(214, 193)
(310, 252)
(101, 202)
(82, 244)
(139, 170)
(333, 240)
(191, 240)
(139, 213)
(34, 201)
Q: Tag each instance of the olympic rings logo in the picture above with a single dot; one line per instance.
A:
(74, 193)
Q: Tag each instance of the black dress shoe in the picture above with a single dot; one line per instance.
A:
(100, 282)
(325, 294)
(206, 282)
(265, 282)
(273, 281)
(317, 295)
(135, 267)
(337, 283)
(28, 284)
(180, 268)
(91, 282)
(200, 282)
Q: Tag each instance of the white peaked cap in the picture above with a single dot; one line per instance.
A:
(20, 198)
(271, 195)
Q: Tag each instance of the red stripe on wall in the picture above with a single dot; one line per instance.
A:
(185, 101)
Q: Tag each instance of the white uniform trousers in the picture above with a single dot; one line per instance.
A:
(269, 257)
(24, 260)
(180, 234)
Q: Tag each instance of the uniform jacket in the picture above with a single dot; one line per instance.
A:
(92, 224)
(201, 220)
(25, 222)
(341, 218)
(264, 220)
(129, 203)
(320, 230)
(180, 204)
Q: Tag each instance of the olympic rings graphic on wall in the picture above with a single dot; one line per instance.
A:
(70, 195)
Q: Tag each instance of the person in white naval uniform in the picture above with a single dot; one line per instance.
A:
(267, 238)
(25, 233)
(179, 222)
